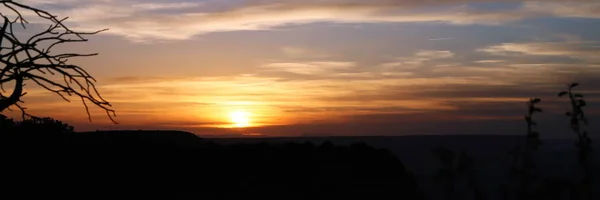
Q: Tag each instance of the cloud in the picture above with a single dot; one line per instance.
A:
(440, 39)
(295, 52)
(582, 50)
(308, 83)
(141, 100)
(490, 61)
(42, 2)
(338, 97)
(572, 9)
(165, 6)
(151, 20)
(314, 68)
(298, 52)
(431, 55)
(263, 18)
(421, 58)
(529, 64)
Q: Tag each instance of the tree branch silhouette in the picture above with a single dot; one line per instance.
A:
(32, 60)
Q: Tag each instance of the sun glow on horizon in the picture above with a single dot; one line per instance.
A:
(240, 119)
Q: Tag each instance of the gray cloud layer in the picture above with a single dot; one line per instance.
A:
(176, 20)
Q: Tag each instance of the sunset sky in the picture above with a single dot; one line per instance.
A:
(331, 67)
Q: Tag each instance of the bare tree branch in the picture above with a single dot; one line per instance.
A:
(29, 61)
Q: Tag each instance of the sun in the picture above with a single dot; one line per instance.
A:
(240, 119)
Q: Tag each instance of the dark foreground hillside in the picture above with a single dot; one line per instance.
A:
(179, 165)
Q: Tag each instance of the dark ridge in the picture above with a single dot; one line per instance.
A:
(430, 138)
(180, 165)
(174, 138)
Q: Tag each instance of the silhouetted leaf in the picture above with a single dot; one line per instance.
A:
(536, 100)
(582, 102)
(514, 151)
(563, 93)
(441, 175)
(537, 145)
(537, 109)
(534, 134)
(568, 114)
(573, 85)
(578, 95)
(574, 121)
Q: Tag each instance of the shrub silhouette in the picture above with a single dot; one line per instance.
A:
(35, 126)
(44, 125)
(7, 125)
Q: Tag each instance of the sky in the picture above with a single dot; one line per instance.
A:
(330, 67)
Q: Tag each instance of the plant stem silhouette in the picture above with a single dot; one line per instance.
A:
(524, 166)
(32, 60)
(578, 123)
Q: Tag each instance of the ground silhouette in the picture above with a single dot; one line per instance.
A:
(180, 165)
